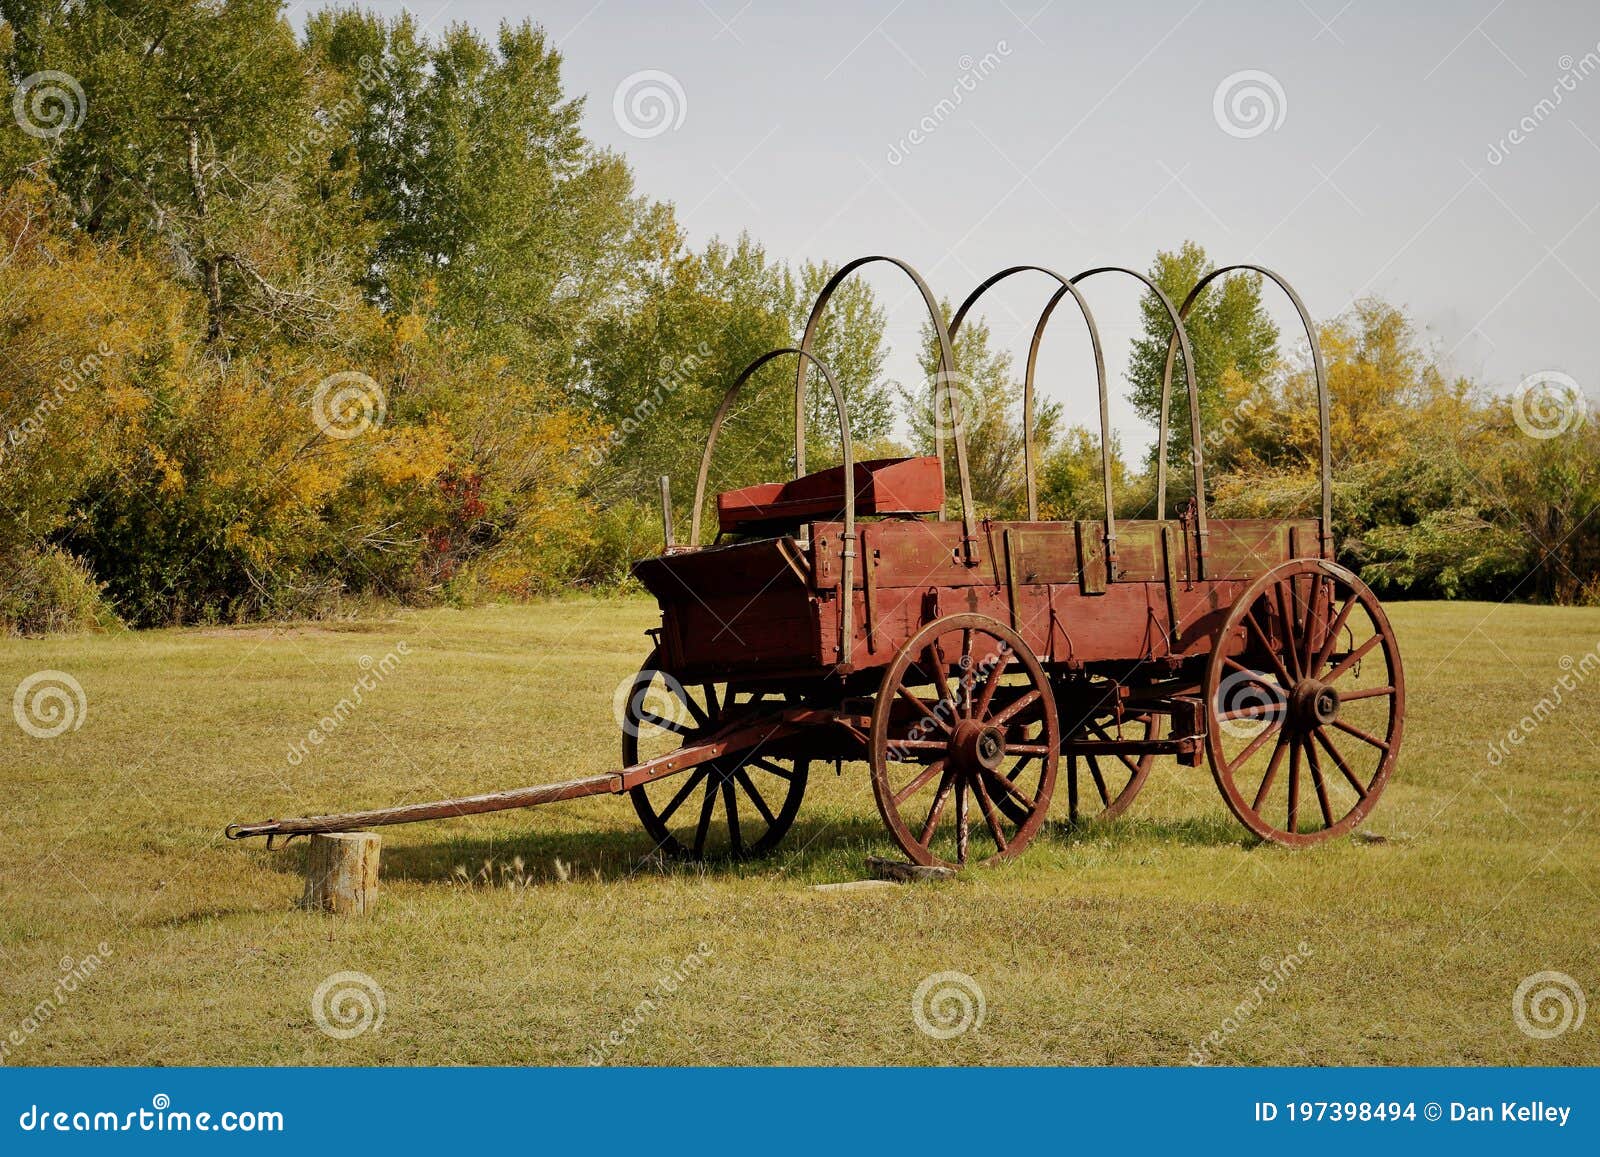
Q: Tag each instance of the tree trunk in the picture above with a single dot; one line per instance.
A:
(342, 873)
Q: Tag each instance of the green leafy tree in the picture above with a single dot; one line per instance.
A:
(1229, 332)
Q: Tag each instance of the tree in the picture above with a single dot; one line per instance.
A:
(190, 143)
(1228, 330)
(489, 203)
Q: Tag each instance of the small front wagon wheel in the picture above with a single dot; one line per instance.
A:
(965, 722)
(736, 807)
(1304, 703)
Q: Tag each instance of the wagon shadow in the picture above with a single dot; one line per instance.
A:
(1198, 831)
(535, 859)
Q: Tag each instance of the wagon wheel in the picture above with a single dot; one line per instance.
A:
(730, 808)
(1316, 689)
(965, 717)
(1102, 787)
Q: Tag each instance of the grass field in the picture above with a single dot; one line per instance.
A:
(1127, 944)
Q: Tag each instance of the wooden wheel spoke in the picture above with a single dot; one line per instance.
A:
(1352, 659)
(1361, 735)
(1333, 754)
(991, 684)
(1315, 765)
(683, 793)
(1332, 639)
(1294, 783)
(712, 706)
(730, 803)
(1008, 783)
(706, 807)
(700, 715)
(936, 809)
(1032, 696)
(663, 723)
(755, 796)
(1133, 768)
(911, 744)
(922, 705)
(940, 677)
(961, 819)
(964, 680)
(1265, 734)
(771, 768)
(1028, 749)
(1291, 645)
(1365, 693)
(1308, 632)
(919, 781)
(1272, 772)
(1254, 711)
(1099, 780)
(1266, 645)
(989, 816)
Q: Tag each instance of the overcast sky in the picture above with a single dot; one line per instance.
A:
(1397, 149)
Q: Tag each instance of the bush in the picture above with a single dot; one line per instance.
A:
(50, 592)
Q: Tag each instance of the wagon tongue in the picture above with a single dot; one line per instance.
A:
(740, 736)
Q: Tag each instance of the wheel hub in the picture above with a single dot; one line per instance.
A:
(975, 745)
(1314, 703)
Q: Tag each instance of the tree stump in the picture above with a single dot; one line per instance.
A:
(342, 873)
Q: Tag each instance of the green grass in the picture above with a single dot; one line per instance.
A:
(1122, 945)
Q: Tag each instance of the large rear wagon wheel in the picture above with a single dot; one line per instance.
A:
(1304, 721)
(965, 718)
(736, 807)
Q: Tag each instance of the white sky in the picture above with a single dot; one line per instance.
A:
(1094, 141)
